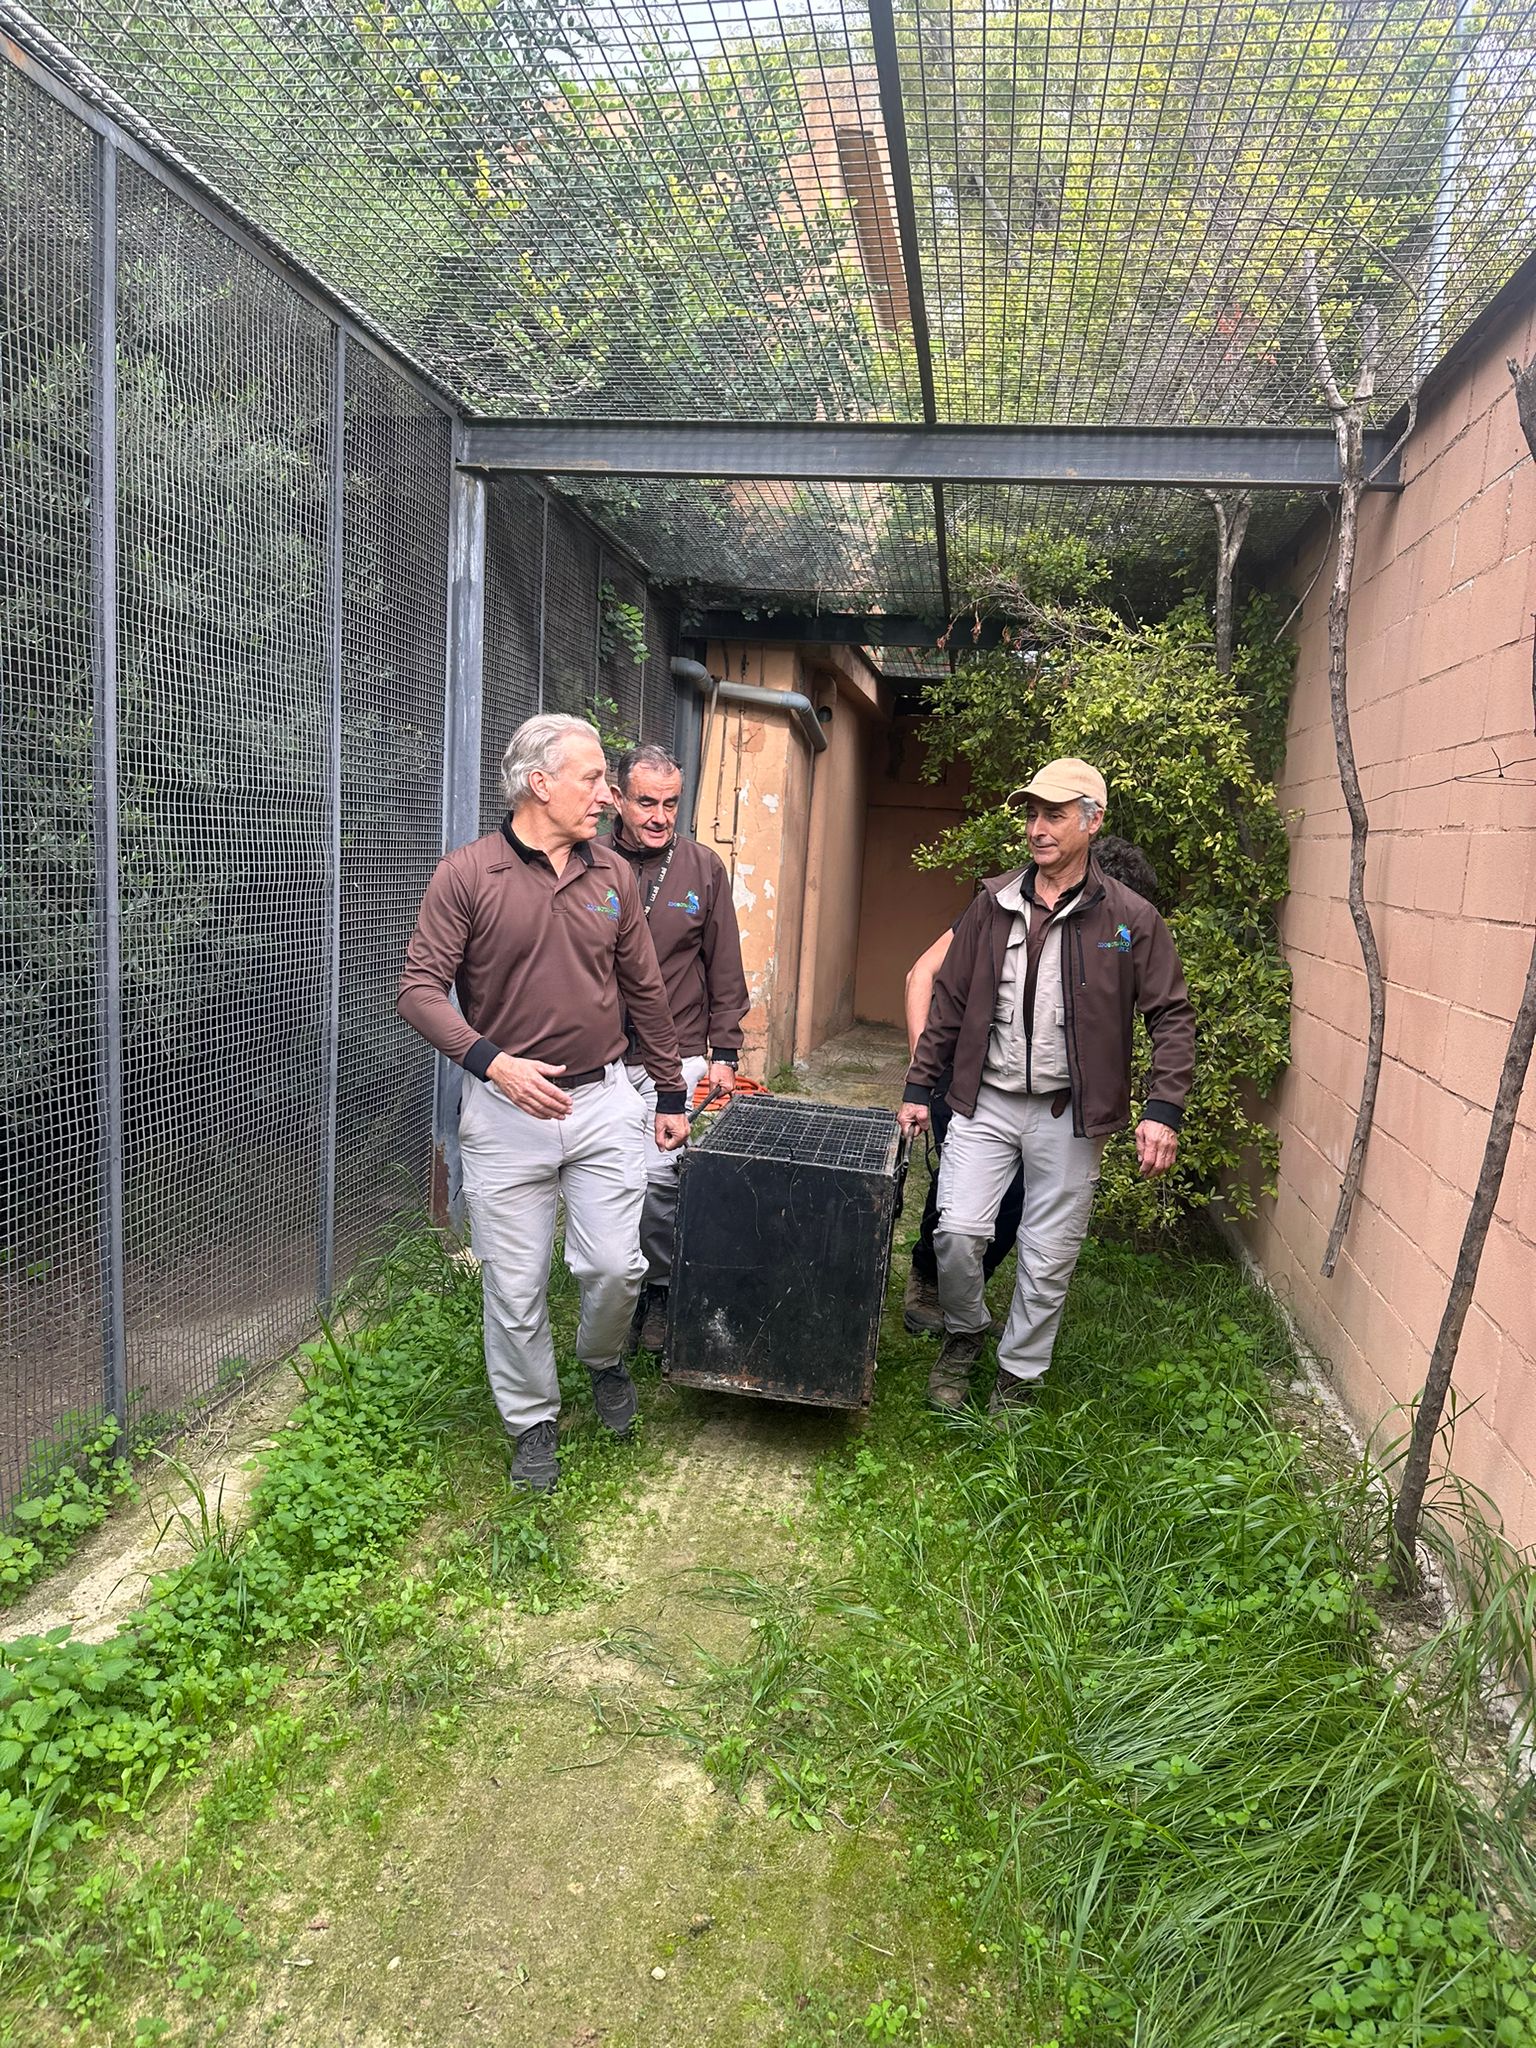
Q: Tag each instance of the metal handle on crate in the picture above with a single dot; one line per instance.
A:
(712, 1097)
(903, 1161)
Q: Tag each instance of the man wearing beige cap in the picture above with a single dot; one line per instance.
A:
(1033, 1007)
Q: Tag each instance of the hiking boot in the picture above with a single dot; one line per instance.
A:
(535, 1462)
(631, 1342)
(920, 1311)
(1011, 1396)
(615, 1398)
(950, 1380)
(653, 1323)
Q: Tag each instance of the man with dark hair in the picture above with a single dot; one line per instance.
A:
(1121, 862)
(686, 894)
(1032, 1015)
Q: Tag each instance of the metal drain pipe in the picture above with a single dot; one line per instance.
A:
(799, 706)
(753, 695)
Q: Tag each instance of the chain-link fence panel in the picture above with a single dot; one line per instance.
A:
(658, 705)
(514, 611)
(621, 648)
(570, 617)
(50, 931)
(224, 404)
(398, 461)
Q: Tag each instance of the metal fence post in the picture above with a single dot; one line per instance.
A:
(461, 769)
(597, 633)
(543, 586)
(104, 768)
(325, 1282)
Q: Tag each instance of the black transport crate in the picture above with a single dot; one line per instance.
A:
(784, 1225)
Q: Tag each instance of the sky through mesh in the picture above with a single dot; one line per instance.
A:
(685, 209)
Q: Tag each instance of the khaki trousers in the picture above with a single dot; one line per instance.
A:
(516, 1170)
(658, 1219)
(981, 1155)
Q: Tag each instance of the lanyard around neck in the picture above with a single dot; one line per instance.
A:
(661, 875)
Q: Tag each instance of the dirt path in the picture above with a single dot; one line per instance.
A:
(532, 1854)
(560, 1875)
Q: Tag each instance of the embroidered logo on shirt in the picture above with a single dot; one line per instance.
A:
(688, 903)
(609, 907)
(1120, 943)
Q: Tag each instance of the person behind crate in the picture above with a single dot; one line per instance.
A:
(542, 935)
(1032, 1012)
(921, 1313)
(686, 894)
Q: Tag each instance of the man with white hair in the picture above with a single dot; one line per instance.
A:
(1033, 1007)
(543, 936)
(686, 893)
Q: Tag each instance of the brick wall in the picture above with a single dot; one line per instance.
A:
(1440, 689)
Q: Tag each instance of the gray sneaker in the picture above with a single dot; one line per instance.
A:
(615, 1398)
(535, 1460)
(949, 1383)
(920, 1311)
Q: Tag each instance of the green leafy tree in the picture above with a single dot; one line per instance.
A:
(1178, 746)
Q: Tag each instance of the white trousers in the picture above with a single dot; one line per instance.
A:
(516, 1169)
(1061, 1174)
(658, 1219)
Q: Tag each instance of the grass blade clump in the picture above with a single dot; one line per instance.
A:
(1116, 1663)
(89, 1731)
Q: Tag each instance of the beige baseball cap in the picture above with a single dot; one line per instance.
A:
(1058, 782)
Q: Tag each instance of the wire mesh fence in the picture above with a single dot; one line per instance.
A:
(51, 1181)
(223, 457)
(224, 709)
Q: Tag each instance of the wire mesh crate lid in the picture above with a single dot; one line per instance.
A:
(807, 1133)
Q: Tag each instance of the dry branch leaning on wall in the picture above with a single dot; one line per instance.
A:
(1349, 429)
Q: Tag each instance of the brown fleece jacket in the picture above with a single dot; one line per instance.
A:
(1117, 957)
(698, 945)
(546, 967)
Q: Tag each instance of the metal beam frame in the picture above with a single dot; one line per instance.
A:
(893, 116)
(336, 500)
(464, 683)
(1193, 458)
(104, 774)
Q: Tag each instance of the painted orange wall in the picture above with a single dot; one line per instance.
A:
(902, 908)
(1440, 688)
(835, 859)
(754, 791)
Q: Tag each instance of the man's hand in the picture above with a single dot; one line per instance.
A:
(525, 1083)
(671, 1131)
(1157, 1146)
(722, 1075)
(912, 1117)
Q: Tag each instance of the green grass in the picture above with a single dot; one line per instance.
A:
(380, 1529)
(1115, 1667)
(1110, 1683)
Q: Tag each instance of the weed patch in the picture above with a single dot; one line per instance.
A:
(59, 1505)
(1115, 1664)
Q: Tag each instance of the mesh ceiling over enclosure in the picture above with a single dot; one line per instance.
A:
(690, 209)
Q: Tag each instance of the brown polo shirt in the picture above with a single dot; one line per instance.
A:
(545, 966)
(698, 945)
